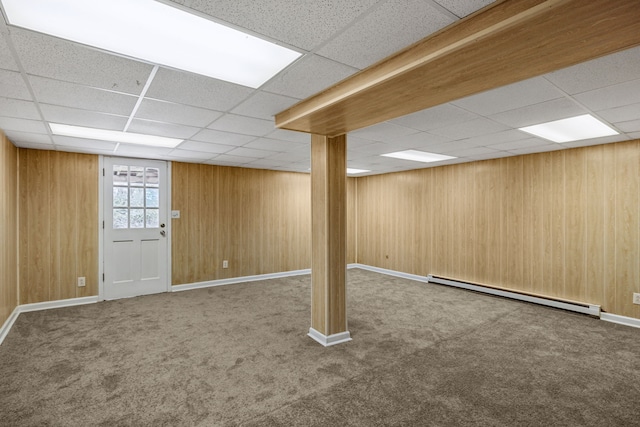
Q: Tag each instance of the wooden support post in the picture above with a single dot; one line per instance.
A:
(328, 240)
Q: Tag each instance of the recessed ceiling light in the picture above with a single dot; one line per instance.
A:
(155, 32)
(418, 156)
(352, 171)
(113, 136)
(571, 129)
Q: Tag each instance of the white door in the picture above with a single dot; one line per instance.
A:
(135, 227)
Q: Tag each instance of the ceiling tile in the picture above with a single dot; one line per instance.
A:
(301, 23)
(199, 91)
(243, 125)
(224, 138)
(540, 113)
(13, 86)
(621, 114)
(606, 71)
(73, 116)
(385, 131)
(263, 105)
(206, 147)
(497, 138)
(83, 97)
(170, 112)
(468, 129)
(629, 126)
(58, 59)
(22, 125)
(6, 59)
(188, 154)
(510, 97)
(87, 144)
(391, 27)
(18, 108)
(290, 135)
(469, 152)
(522, 143)
(86, 150)
(162, 129)
(26, 137)
(34, 145)
(435, 117)
(416, 140)
(273, 145)
(308, 76)
(250, 152)
(462, 8)
(228, 160)
(611, 96)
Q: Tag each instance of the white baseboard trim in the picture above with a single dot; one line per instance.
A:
(330, 340)
(395, 273)
(621, 320)
(6, 327)
(243, 279)
(48, 305)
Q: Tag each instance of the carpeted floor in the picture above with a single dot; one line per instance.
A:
(421, 354)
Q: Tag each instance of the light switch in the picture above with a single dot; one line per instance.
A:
(175, 214)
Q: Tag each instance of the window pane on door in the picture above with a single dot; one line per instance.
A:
(137, 198)
(137, 218)
(120, 175)
(121, 218)
(153, 197)
(120, 197)
(136, 176)
(153, 218)
(152, 177)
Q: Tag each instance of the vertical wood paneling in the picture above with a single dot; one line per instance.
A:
(258, 220)
(564, 224)
(627, 274)
(8, 228)
(58, 225)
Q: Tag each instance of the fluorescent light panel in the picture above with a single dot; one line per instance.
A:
(113, 136)
(155, 32)
(418, 156)
(571, 129)
(353, 171)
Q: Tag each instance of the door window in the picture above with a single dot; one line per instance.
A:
(136, 197)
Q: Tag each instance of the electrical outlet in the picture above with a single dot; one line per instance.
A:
(81, 282)
(225, 264)
(636, 298)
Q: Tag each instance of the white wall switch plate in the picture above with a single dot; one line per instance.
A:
(82, 282)
(175, 214)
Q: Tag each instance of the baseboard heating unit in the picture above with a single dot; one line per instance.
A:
(590, 309)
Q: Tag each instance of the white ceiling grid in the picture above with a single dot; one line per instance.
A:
(44, 79)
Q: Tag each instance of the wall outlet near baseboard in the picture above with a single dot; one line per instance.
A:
(82, 282)
(636, 298)
(225, 264)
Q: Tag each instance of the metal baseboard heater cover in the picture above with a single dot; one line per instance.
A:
(590, 309)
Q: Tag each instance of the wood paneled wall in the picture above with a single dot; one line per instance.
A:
(564, 224)
(58, 225)
(8, 228)
(258, 220)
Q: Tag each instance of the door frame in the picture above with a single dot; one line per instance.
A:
(101, 237)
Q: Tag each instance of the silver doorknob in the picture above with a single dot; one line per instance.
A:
(162, 233)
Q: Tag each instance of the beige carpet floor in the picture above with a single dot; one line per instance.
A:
(421, 354)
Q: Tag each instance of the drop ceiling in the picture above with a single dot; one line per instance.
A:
(44, 79)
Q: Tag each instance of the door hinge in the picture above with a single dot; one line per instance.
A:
(103, 225)
(103, 172)
(103, 277)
